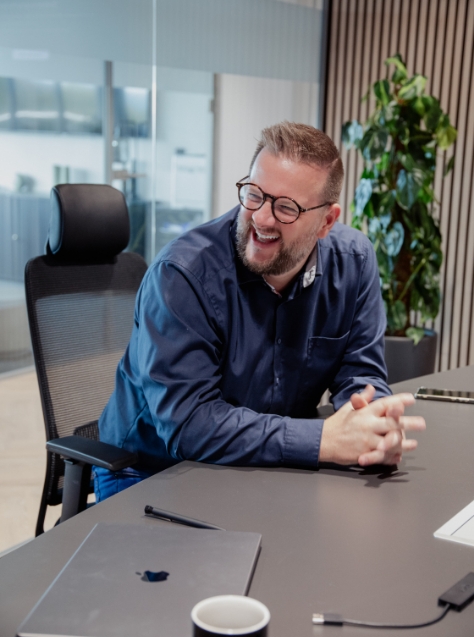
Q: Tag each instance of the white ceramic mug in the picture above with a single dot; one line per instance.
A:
(230, 615)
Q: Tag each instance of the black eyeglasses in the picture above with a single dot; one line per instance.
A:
(284, 209)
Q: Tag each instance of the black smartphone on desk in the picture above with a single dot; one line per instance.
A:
(450, 395)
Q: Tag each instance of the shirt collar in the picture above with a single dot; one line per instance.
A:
(310, 267)
(307, 274)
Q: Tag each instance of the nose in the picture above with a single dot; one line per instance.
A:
(263, 217)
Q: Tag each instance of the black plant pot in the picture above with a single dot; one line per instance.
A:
(405, 360)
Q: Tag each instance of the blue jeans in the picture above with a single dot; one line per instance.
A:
(107, 483)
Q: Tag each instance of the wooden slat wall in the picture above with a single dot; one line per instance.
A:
(435, 38)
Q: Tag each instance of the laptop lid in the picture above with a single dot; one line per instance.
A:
(128, 580)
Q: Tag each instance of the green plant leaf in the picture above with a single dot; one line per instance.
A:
(373, 143)
(406, 161)
(352, 133)
(449, 166)
(367, 173)
(386, 203)
(414, 87)
(362, 195)
(419, 106)
(389, 113)
(408, 186)
(446, 136)
(400, 73)
(382, 91)
(385, 220)
(394, 239)
(396, 316)
(433, 113)
(416, 334)
(373, 228)
(400, 147)
(426, 195)
(384, 163)
(369, 209)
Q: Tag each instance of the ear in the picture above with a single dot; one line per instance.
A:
(330, 216)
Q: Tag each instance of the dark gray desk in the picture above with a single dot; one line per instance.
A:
(345, 541)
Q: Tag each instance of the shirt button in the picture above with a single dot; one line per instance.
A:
(279, 341)
(277, 380)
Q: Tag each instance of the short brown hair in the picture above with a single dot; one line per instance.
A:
(308, 145)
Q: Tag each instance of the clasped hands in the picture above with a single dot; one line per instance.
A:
(367, 432)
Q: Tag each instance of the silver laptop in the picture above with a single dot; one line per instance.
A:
(128, 580)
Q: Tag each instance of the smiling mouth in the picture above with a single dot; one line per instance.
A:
(265, 238)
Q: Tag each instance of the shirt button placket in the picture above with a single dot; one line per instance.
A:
(277, 362)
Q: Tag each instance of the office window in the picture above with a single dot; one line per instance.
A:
(163, 99)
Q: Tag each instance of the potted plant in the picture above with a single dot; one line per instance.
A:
(394, 204)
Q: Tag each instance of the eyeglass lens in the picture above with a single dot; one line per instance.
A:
(252, 198)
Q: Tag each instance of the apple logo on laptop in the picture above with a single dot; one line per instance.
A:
(153, 576)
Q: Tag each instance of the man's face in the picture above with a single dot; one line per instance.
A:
(269, 247)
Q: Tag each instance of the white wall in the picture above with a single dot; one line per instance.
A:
(35, 154)
(184, 121)
(243, 106)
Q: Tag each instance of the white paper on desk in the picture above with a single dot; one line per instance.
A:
(459, 528)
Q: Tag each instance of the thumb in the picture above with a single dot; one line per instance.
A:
(364, 398)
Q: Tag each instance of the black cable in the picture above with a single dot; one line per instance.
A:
(338, 620)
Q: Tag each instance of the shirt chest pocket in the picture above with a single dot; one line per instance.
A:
(324, 357)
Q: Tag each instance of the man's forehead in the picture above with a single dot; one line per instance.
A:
(288, 171)
(288, 161)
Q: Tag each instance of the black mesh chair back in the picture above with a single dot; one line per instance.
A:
(80, 299)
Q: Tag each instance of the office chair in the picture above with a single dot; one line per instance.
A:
(80, 298)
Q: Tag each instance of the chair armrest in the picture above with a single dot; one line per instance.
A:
(92, 452)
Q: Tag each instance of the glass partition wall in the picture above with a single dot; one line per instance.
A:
(162, 99)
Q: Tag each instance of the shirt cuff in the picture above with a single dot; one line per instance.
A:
(302, 441)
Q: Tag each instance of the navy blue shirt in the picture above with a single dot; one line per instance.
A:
(221, 369)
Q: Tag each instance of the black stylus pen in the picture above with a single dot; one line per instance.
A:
(180, 519)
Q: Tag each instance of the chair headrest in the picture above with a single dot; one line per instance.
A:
(88, 222)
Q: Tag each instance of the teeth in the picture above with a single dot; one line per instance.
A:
(265, 237)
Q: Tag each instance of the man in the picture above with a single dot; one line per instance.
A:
(243, 323)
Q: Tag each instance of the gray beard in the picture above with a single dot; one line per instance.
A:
(285, 260)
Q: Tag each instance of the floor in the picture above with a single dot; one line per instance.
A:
(22, 459)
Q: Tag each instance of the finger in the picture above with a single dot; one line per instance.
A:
(396, 410)
(368, 393)
(409, 444)
(363, 398)
(358, 401)
(392, 458)
(383, 425)
(398, 401)
(387, 456)
(371, 457)
(412, 423)
(391, 442)
(378, 457)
